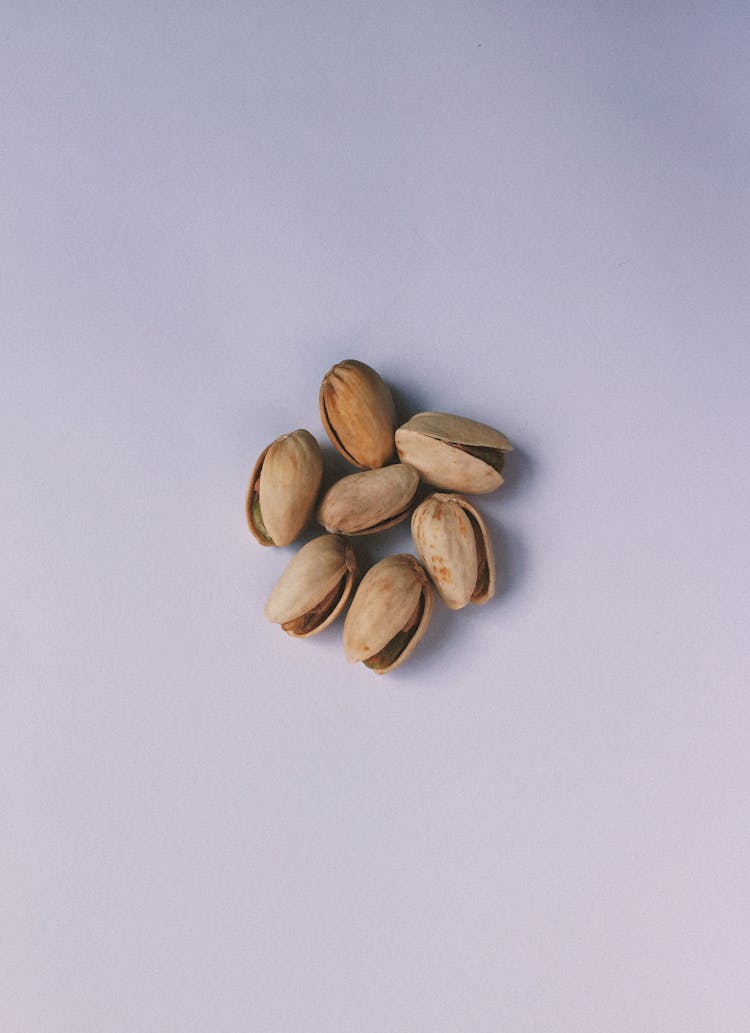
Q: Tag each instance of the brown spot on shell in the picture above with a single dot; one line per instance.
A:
(439, 569)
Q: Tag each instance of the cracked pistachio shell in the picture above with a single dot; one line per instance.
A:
(314, 588)
(389, 613)
(455, 547)
(453, 452)
(358, 414)
(370, 501)
(284, 487)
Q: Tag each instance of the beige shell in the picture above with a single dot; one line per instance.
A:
(371, 501)
(358, 414)
(435, 443)
(455, 547)
(285, 482)
(393, 594)
(314, 588)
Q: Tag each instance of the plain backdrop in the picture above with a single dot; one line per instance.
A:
(535, 214)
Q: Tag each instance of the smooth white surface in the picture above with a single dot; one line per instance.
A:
(535, 215)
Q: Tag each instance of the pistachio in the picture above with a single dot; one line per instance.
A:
(358, 414)
(283, 488)
(389, 613)
(455, 547)
(314, 588)
(370, 501)
(453, 452)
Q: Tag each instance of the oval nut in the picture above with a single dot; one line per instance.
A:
(453, 543)
(453, 452)
(389, 614)
(363, 503)
(314, 587)
(284, 487)
(358, 414)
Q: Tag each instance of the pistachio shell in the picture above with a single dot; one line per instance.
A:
(436, 444)
(358, 414)
(320, 576)
(371, 501)
(455, 547)
(283, 488)
(392, 594)
(458, 429)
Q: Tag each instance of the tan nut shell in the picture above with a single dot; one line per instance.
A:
(427, 441)
(310, 576)
(370, 501)
(289, 473)
(442, 529)
(385, 600)
(358, 414)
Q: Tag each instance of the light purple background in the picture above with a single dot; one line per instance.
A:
(534, 214)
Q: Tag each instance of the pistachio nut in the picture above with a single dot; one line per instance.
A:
(389, 613)
(363, 503)
(455, 547)
(283, 488)
(358, 414)
(314, 588)
(453, 452)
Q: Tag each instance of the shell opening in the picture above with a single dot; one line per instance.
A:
(388, 655)
(318, 614)
(494, 457)
(387, 521)
(483, 571)
(256, 515)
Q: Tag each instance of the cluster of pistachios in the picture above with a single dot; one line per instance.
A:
(392, 603)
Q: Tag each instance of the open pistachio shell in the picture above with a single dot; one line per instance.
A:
(389, 613)
(453, 452)
(358, 414)
(363, 503)
(455, 547)
(284, 487)
(314, 588)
